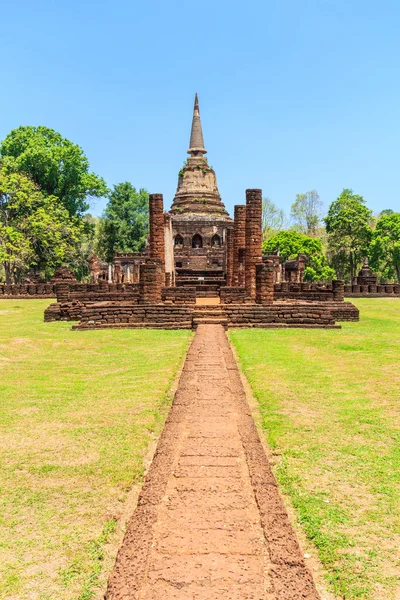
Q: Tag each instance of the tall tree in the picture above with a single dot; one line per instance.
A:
(273, 218)
(125, 222)
(349, 233)
(35, 229)
(59, 167)
(291, 243)
(385, 246)
(306, 212)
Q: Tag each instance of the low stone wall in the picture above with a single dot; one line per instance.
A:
(27, 290)
(303, 291)
(121, 314)
(64, 311)
(207, 291)
(172, 316)
(279, 315)
(344, 311)
(372, 291)
(233, 295)
(179, 295)
(92, 292)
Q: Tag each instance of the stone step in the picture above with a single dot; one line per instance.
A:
(210, 321)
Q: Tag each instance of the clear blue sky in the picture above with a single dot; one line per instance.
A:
(294, 95)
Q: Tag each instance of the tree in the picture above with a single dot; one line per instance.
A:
(385, 246)
(291, 243)
(349, 233)
(386, 211)
(59, 167)
(35, 229)
(306, 212)
(272, 218)
(125, 222)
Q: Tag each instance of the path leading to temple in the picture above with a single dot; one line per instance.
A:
(210, 524)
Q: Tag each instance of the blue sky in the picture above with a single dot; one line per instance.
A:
(294, 95)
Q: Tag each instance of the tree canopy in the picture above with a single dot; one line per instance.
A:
(349, 233)
(291, 243)
(35, 230)
(125, 222)
(59, 167)
(306, 212)
(273, 218)
(385, 246)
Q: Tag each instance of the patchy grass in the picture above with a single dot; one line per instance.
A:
(330, 404)
(78, 410)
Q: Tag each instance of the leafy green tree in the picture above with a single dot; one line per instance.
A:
(125, 222)
(59, 167)
(306, 212)
(291, 243)
(349, 233)
(273, 218)
(87, 247)
(35, 229)
(385, 246)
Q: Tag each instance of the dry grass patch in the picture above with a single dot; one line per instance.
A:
(78, 410)
(330, 408)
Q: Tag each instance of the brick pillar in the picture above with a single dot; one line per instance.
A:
(157, 237)
(253, 239)
(229, 257)
(151, 281)
(265, 283)
(338, 290)
(62, 292)
(239, 243)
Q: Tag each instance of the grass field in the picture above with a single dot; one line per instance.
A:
(78, 410)
(330, 408)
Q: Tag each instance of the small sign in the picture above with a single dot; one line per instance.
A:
(201, 278)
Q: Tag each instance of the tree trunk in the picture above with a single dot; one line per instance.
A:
(7, 269)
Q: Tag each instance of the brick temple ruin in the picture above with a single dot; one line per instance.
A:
(200, 266)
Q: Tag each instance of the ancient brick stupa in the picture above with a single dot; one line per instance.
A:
(200, 221)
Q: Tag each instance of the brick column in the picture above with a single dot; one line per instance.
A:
(229, 257)
(157, 238)
(239, 243)
(253, 239)
(62, 292)
(338, 290)
(151, 281)
(265, 283)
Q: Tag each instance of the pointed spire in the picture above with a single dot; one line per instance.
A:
(196, 135)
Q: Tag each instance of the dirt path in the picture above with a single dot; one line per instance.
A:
(210, 523)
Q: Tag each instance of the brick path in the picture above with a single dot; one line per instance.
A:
(210, 524)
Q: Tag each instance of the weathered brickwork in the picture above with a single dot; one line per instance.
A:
(161, 316)
(239, 245)
(265, 281)
(372, 291)
(253, 239)
(300, 314)
(233, 295)
(27, 290)
(157, 235)
(151, 281)
(179, 295)
(229, 257)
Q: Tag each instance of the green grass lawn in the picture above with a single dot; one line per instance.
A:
(330, 409)
(78, 410)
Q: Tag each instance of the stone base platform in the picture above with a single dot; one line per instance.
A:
(105, 315)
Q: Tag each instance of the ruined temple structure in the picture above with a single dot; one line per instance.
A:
(200, 266)
(365, 276)
(200, 222)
